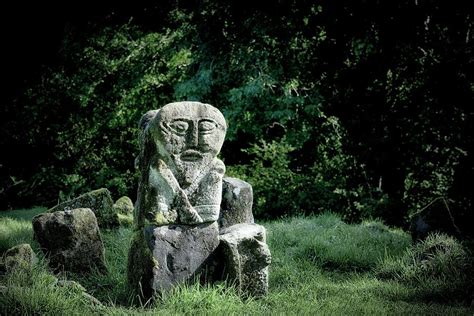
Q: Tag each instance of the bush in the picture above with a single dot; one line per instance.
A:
(381, 68)
(86, 111)
(283, 186)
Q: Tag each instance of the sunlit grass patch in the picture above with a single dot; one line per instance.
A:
(16, 228)
(334, 245)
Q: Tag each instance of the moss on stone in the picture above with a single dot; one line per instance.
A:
(140, 266)
(156, 264)
(99, 201)
(125, 220)
(124, 206)
(19, 257)
(160, 219)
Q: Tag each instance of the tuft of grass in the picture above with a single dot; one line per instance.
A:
(23, 214)
(196, 298)
(111, 287)
(35, 292)
(439, 266)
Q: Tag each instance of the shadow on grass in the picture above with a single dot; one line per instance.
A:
(23, 214)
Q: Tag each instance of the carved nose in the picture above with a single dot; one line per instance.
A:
(193, 138)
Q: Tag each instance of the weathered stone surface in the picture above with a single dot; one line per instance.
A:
(99, 201)
(19, 257)
(168, 255)
(181, 176)
(243, 258)
(140, 265)
(436, 217)
(180, 196)
(70, 239)
(124, 206)
(236, 206)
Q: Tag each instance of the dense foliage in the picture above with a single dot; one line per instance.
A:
(359, 107)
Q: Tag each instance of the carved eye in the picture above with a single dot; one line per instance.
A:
(179, 127)
(207, 126)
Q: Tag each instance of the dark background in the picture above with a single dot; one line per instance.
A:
(387, 137)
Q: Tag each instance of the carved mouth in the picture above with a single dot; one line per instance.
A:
(191, 155)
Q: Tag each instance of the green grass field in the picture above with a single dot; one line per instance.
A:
(320, 265)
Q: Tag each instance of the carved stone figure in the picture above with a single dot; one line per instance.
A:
(177, 218)
(181, 179)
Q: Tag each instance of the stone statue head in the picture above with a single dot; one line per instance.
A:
(188, 136)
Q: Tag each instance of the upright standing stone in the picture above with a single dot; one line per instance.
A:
(179, 195)
(99, 201)
(124, 206)
(243, 258)
(183, 249)
(70, 239)
(179, 200)
(236, 206)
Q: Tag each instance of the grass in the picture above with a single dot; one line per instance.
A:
(321, 265)
(439, 265)
(15, 227)
(332, 244)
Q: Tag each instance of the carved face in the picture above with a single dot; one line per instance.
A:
(190, 134)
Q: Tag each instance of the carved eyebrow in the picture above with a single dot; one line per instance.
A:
(208, 120)
(206, 126)
(181, 119)
(179, 126)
